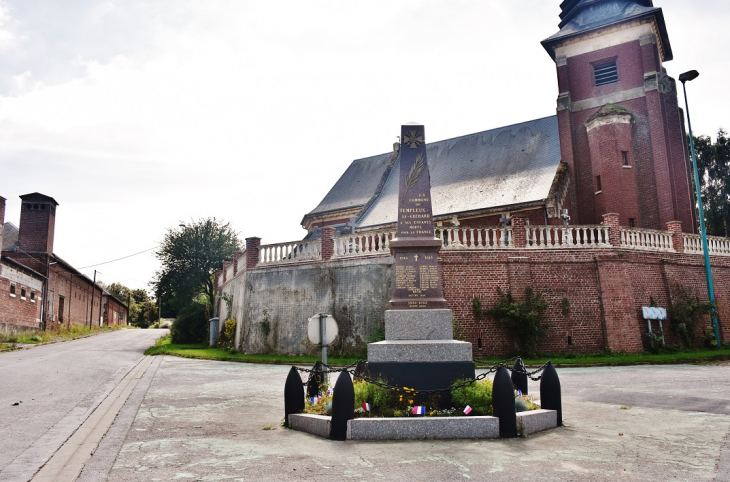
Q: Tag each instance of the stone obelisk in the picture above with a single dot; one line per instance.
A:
(419, 350)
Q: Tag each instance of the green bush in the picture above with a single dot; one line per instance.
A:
(228, 333)
(477, 395)
(521, 319)
(191, 325)
(685, 311)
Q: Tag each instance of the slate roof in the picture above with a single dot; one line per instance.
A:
(356, 186)
(509, 166)
(10, 236)
(579, 16)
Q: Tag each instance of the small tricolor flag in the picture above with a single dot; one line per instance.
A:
(312, 400)
(329, 392)
(467, 410)
(419, 410)
(519, 393)
(366, 406)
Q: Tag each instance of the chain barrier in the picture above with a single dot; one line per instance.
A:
(318, 368)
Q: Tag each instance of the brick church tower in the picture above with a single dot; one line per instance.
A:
(621, 130)
(37, 229)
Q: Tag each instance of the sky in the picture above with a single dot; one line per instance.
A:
(139, 115)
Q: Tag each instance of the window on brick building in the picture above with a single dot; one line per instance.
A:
(12, 290)
(22, 293)
(61, 303)
(598, 184)
(32, 296)
(606, 73)
(632, 222)
(625, 158)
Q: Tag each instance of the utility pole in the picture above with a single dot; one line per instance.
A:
(93, 292)
(129, 307)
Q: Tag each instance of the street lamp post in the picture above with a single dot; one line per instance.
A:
(685, 77)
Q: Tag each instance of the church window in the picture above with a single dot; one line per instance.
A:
(625, 158)
(605, 73)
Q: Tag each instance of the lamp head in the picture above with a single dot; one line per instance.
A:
(689, 75)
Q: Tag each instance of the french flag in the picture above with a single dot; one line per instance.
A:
(467, 410)
(366, 406)
(419, 410)
(312, 400)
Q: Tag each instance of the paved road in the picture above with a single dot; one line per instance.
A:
(57, 387)
(202, 420)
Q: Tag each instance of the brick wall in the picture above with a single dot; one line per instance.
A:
(17, 312)
(76, 291)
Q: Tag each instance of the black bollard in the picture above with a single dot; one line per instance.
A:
(315, 379)
(550, 391)
(519, 376)
(503, 398)
(343, 406)
(293, 395)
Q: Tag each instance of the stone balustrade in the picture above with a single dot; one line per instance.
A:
(492, 237)
(561, 237)
(363, 244)
(291, 252)
(515, 237)
(647, 239)
(716, 245)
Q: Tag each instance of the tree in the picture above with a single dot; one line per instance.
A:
(713, 166)
(141, 309)
(189, 257)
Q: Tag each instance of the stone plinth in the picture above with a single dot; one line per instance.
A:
(421, 428)
(419, 351)
(536, 421)
(418, 325)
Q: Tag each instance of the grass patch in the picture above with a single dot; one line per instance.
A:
(164, 346)
(703, 355)
(35, 337)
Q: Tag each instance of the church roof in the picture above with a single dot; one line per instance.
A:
(580, 16)
(508, 166)
(356, 186)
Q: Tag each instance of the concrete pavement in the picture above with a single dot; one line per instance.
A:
(203, 420)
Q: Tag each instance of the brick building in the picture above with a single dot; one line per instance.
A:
(592, 207)
(30, 266)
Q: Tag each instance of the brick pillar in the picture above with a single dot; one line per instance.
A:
(2, 220)
(519, 234)
(675, 227)
(226, 264)
(555, 221)
(614, 230)
(620, 320)
(519, 275)
(252, 252)
(723, 316)
(328, 243)
(236, 255)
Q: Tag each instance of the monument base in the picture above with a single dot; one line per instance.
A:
(423, 376)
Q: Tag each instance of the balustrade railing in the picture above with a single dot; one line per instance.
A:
(646, 239)
(459, 237)
(291, 252)
(716, 245)
(561, 237)
(363, 244)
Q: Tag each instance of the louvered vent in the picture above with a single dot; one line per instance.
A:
(605, 73)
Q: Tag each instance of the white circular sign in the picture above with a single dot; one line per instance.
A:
(313, 329)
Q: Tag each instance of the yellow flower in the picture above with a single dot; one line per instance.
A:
(410, 401)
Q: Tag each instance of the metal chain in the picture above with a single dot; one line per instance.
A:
(313, 371)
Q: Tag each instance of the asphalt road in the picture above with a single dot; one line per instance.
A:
(56, 387)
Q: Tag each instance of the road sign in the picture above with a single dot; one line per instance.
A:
(314, 330)
(654, 313)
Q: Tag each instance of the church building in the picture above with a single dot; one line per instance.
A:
(615, 145)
